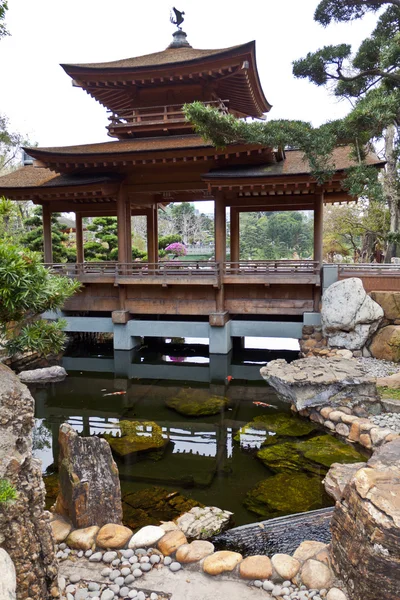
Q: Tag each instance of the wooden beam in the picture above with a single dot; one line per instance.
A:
(220, 242)
(234, 225)
(318, 227)
(128, 231)
(47, 243)
(121, 219)
(79, 238)
(263, 202)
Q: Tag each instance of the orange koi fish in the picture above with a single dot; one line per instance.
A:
(265, 405)
(229, 378)
(114, 394)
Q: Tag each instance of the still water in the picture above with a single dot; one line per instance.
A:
(207, 459)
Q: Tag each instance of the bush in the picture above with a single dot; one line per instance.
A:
(165, 241)
(7, 492)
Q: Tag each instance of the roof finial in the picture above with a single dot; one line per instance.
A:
(179, 37)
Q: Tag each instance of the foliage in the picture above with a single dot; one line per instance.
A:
(184, 220)
(33, 238)
(272, 236)
(166, 240)
(8, 493)
(3, 8)
(27, 289)
(104, 246)
(177, 249)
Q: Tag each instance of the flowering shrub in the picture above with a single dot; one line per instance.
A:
(177, 249)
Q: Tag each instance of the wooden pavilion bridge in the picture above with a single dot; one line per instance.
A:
(158, 159)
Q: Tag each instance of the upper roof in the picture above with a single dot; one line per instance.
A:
(231, 71)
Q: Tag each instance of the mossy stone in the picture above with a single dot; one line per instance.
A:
(286, 425)
(136, 436)
(286, 493)
(286, 457)
(197, 403)
(326, 450)
(252, 434)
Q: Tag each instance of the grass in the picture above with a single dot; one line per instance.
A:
(387, 392)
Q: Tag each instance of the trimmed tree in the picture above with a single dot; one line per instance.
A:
(33, 239)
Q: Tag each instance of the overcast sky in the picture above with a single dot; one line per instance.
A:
(39, 98)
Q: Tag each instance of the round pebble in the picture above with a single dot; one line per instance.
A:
(257, 583)
(93, 586)
(70, 596)
(114, 588)
(127, 553)
(167, 560)
(81, 594)
(107, 595)
(132, 594)
(153, 596)
(74, 578)
(145, 567)
(80, 554)
(67, 551)
(123, 592)
(133, 560)
(125, 571)
(62, 546)
(109, 556)
(268, 586)
(96, 557)
(137, 573)
(140, 551)
(119, 581)
(106, 572)
(144, 559)
(141, 596)
(116, 562)
(71, 589)
(115, 574)
(175, 566)
(88, 553)
(129, 579)
(154, 559)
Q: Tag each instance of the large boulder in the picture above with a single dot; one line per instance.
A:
(349, 316)
(386, 343)
(366, 528)
(390, 303)
(8, 581)
(45, 375)
(319, 381)
(25, 532)
(90, 492)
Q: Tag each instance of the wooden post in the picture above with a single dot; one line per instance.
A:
(318, 227)
(47, 244)
(150, 235)
(235, 250)
(79, 238)
(128, 231)
(220, 244)
(121, 224)
(155, 234)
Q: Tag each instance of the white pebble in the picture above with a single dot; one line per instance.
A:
(175, 566)
(132, 594)
(154, 559)
(167, 560)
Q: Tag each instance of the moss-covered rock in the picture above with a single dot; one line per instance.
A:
(313, 455)
(52, 486)
(285, 424)
(136, 436)
(286, 493)
(251, 435)
(152, 505)
(197, 403)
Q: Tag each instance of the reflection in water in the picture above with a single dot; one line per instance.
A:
(210, 458)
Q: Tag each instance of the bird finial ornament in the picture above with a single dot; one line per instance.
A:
(178, 18)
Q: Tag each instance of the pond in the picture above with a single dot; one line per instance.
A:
(255, 460)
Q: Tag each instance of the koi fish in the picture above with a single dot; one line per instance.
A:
(114, 394)
(265, 405)
(229, 378)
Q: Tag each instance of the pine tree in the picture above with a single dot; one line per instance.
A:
(33, 239)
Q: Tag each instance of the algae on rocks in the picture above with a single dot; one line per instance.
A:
(197, 403)
(266, 429)
(136, 436)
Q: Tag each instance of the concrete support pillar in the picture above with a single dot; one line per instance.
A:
(152, 234)
(220, 339)
(47, 245)
(235, 249)
(238, 343)
(123, 340)
(121, 221)
(318, 227)
(79, 238)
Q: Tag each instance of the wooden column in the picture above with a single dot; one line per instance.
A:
(318, 227)
(235, 250)
(151, 257)
(121, 221)
(155, 233)
(79, 238)
(47, 245)
(128, 231)
(220, 244)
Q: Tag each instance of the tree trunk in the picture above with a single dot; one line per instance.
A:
(390, 190)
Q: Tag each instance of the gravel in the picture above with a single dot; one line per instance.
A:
(388, 420)
(378, 368)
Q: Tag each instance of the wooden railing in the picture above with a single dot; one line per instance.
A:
(155, 115)
(170, 269)
(264, 267)
(369, 270)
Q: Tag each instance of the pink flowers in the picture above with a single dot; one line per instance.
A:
(177, 249)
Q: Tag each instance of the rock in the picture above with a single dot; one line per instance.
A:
(90, 492)
(220, 562)
(336, 594)
(308, 549)
(189, 553)
(169, 526)
(81, 594)
(286, 566)
(146, 537)
(83, 539)
(105, 572)
(281, 424)
(197, 403)
(43, 375)
(171, 541)
(136, 437)
(390, 381)
(389, 302)
(332, 380)
(255, 567)
(74, 578)
(345, 353)
(107, 595)
(268, 586)
(203, 523)
(60, 529)
(145, 567)
(338, 477)
(366, 528)
(175, 566)
(284, 493)
(8, 580)
(385, 344)
(96, 557)
(113, 536)
(108, 557)
(316, 575)
(123, 592)
(349, 316)
(25, 532)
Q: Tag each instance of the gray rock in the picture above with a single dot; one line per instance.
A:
(153, 596)
(137, 573)
(257, 583)
(167, 561)
(144, 559)
(129, 579)
(119, 581)
(133, 559)
(154, 559)
(140, 551)
(141, 596)
(46, 374)
(70, 596)
(175, 566)
(106, 572)
(268, 586)
(71, 589)
(116, 562)
(125, 571)
(80, 554)
(114, 588)
(88, 553)
(123, 592)
(132, 594)
(145, 567)
(115, 574)
(62, 546)
(74, 578)
(127, 553)
(107, 595)
(81, 594)
(96, 557)
(93, 586)
(108, 557)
